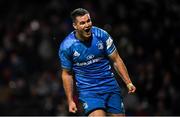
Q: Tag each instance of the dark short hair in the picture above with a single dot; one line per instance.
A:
(78, 12)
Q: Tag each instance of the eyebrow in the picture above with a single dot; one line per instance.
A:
(89, 19)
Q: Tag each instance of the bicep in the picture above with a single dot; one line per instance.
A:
(66, 74)
(114, 56)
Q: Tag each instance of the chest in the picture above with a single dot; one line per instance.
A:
(83, 52)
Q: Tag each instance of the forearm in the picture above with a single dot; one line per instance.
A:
(122, 71)
(68, 86)
(120, 67)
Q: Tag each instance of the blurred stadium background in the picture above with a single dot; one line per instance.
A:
(146, 33)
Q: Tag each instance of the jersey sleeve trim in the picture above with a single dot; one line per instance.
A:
(112, 51)
(65, 67)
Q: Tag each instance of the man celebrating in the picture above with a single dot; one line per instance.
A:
(85, 56)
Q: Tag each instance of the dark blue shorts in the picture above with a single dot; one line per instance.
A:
(109, 102)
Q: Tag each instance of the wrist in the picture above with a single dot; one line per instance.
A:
(129, 85)
(70, 100)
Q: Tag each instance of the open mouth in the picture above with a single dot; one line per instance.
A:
(87, 30)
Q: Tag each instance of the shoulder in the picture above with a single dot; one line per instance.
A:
(68, 42)
(99, 32)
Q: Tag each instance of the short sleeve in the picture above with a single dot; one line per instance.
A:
(109, 43)
(65, 60)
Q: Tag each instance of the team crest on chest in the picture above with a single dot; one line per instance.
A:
(100, 45)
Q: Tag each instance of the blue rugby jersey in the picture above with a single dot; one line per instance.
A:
(89, 61)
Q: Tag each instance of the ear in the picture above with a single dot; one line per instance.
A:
(74, 25)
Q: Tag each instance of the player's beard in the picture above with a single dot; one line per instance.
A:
(87, 34)
(84, 35)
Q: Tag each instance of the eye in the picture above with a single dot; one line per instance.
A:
(81, 23)
(88, 20)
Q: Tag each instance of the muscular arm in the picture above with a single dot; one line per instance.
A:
(67, 79)
(122, 71)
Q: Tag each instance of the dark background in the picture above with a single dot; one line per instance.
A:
(146, 33)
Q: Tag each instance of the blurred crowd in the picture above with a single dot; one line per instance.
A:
(146, 34)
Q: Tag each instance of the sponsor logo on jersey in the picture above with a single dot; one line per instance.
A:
(89, 62)
(90, 57)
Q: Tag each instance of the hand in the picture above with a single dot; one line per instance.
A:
(131, 88)
(72, 107)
